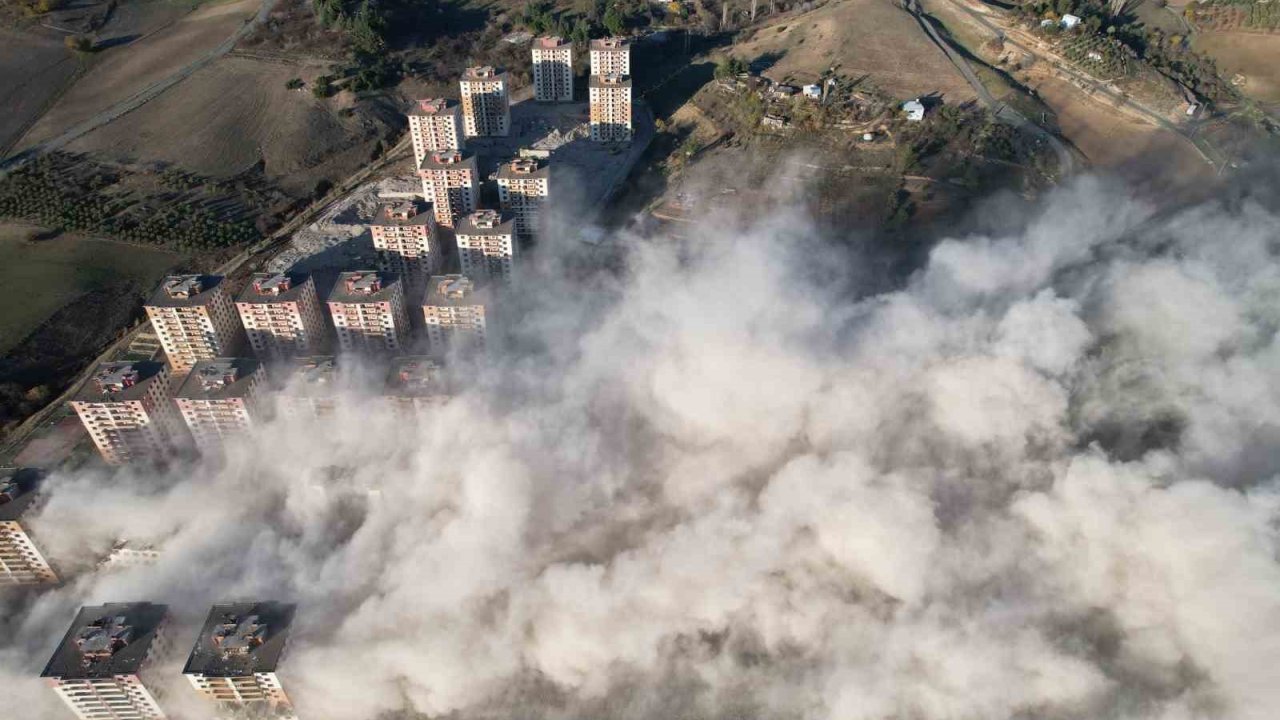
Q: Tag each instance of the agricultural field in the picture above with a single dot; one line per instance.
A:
(1225, 15)
(1251, 61)
(33, 70)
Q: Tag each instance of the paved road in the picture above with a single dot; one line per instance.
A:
(1001, 111)
(140, 98)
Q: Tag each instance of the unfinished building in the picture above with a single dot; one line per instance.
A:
(220, 399)
(234, 661)
(128, 412)
(195, 319)
(20, 561)
(104, 667)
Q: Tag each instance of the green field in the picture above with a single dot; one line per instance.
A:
(38, 278)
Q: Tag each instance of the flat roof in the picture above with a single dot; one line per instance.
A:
(483, 73)
(219, 379)
(310, 376)
(416, 376)
(240, 639)
(415, 212)
(296, 283)
(115, 636)
(611, 43)
(550, 42)
(185, 290)
(610, 81)
(387, 283)
(119, 381)
(441, 289)
(436, 106)
(503, 223)
(18, 491)
(466, 160)
(529, 167)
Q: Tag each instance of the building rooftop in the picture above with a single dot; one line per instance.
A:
(310, 376)
(415, 376)
(436, 106)
(106, 640)
(483, 73)
(523, 168)
(487, 222)
(611, 43)
(610, 81)
(240, 639)
(365, 286)
(453, 290)
(17, 491)
(449, 160)
(185, 290)
(274, 288)
(120, 381)
(404, 212)
(219, 379)
(550, 42)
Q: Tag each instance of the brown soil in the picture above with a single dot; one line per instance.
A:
(1254, 56)
(33, 70)
(858, 37)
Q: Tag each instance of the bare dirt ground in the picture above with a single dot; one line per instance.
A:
(34, 68)
(876, 38)
(1253, 56)
(125, 70)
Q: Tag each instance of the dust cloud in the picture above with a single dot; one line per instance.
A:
(1037, 480)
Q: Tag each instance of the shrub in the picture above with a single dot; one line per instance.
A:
(295, 84)
(78, 43)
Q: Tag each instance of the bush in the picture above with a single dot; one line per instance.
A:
(295, 84)
(78, 43)
(323, 87)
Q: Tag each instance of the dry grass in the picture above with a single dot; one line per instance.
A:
(33, 70)
(1255, 56)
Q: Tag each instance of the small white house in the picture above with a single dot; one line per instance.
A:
(914, 110)
(1069, 21)
(813, 92)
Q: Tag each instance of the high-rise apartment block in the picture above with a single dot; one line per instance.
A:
(20, 561)
(281, 315)
(127, 409)
(233, 663)
(611, 56)
(610, 106)
(415, 383)
(195, 319)
(220, 399)
(309, 387)
(436, 124)
(407, 242)
(369, 312)
(486, 107)
(451, 183)
(105, 662)
(454, 311)
(552, 70)
(487, 244)
(523, 186)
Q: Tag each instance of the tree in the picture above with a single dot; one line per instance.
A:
(581, 32)
(323, 87)
(613, 21)
(729, 66)
(78, 43)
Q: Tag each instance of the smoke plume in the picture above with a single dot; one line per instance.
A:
(1036, 480)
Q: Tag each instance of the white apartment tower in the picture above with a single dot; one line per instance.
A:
(486, 106)
(610, 104)
(233, 663)
(523, 186)
(195, 319)
(407, 241)
(611, 56)
(454, 311)
(104, 663)
(281, 315)
(451, 183)
(552, 70)
(20, 561)
(220, 399)
(487, 245)
(369, 312)
(309, 388)
(435, 124)
(128, 412)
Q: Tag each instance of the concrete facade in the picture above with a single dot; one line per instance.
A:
(20, 560)
(451, 183)
(611, 56)
(104, 664)
(407, 241)
(195, 319)
(486, 103)
(487, 245)
(610, 104)
(281, 315)
(552, 70)
(436, 124)
(369, 313)
(455, 314)
(128, 412)
(220, 399)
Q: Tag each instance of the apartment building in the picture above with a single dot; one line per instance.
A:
(610, 106)
(486, 106)
(308, 388)
(220, 399)
(552, 70)
(451, 183)
(487, 244)
(407, 241)
(20, 561)
(281, 315)
(435, 124)
(369, 312)
(523, 186)
(195, 319)
(455, 315)
(104, 667)
(611, 56)
(415, 383)
(234, 660)
(128, 412)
